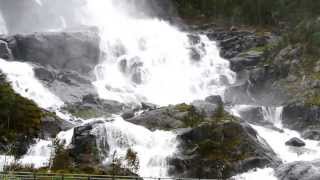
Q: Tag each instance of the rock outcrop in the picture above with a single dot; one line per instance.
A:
(299, 171)
(221, 150)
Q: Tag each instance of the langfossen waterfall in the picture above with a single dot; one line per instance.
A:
(146, 60)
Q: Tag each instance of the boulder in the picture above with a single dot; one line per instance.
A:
(73, 50)
(178, 116)
(220, 150)
(296, 142)
(301, 117)
(313, 134)
(86, 151)
(165, 118)
(300, 170)
(214, 99)
(92, 106)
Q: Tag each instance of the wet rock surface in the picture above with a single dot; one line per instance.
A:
(303, 118)
(299, 171)
(296, 142)
(91, 106)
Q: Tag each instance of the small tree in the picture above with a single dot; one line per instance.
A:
(132, 160)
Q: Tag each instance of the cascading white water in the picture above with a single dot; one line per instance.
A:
(39, 154)
(152, 148)
(277, 139)
(149, 60)
(23, 81)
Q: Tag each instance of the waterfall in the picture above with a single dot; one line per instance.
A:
(277, 138)
(24, 82)
(152, 148)
(150, 60)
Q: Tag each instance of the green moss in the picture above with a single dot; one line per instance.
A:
(184, 107)
(85, 113)
(313, 100)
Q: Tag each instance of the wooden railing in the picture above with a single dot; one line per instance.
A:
(55, 176)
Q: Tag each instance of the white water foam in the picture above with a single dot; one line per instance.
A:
(277, 139)
(23, 81)
(152, 148)
(39, 154)
(149, 60)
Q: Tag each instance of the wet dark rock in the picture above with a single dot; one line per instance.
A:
(148, 106)
(161, 118)
(246, 60)
(300, 170)
(75, 50)
(296, 142)
(220, 150)
(51, 125)
(313, 134)
(253, 115)
(232, 43)
(5, 52)
(45, 74)
(214, 100)
(301, 117)
(85, 149)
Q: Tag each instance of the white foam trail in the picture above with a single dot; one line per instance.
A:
(24, 82)
(288, 154)
(261, 174)
(153, 148)
(5, 161)
(38, 154)
(158, 55)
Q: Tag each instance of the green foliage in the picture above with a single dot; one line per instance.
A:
(261, 12)
(62, 160)
(18, 115)
(132, 160)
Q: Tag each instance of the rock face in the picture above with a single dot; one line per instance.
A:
(213, 144)
(51, 125)
(303, 118)
(93, 107)
(232, 43)
(296, 142)
(246, 60)
(5, 52)
(78, 51)
(299, 171)
(178, 116)
(84, 149)
(64, 61)
(260, 88)
(220, 150)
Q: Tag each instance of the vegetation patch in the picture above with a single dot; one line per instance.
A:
(20, 119)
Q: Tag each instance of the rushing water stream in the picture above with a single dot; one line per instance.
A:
(148, 60)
